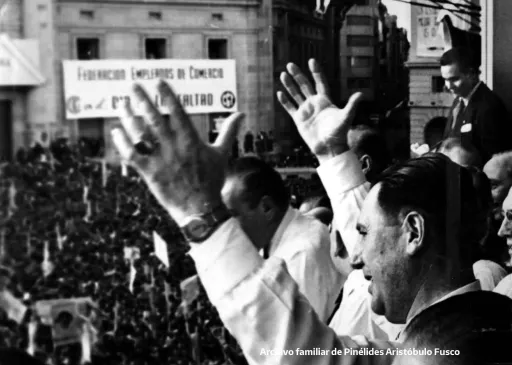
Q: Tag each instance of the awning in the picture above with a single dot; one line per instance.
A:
(16, 67)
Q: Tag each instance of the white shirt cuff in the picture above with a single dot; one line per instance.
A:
(225, 259)
(341, 173)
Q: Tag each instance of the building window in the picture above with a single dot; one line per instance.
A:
(359, 61)
(359, 83)
(437, 84)
(359, 20)
(217, 49)
(359, 41)
(155, 48)
(155, 15)
(87, 14)
(218, 17)
(88, 48)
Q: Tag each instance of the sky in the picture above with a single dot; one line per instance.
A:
(402, 11)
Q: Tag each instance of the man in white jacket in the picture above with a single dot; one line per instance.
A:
(256, 195)
(413, 257)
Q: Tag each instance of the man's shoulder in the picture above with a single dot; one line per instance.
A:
(488, 97)
(306, 233)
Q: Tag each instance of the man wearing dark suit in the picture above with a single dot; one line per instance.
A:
(478, 116)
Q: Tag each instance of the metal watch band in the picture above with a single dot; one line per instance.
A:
(212, 219)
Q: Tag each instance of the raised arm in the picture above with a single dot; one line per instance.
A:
(257, 301)
(324, 128)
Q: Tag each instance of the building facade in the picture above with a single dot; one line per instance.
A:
(261, 35)
(22, 75)
(359, 51)
(373, 52)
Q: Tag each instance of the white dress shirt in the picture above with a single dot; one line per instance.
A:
(505, 286)
(260, 304)
(355, 316)
(488, 273)
(304, 245)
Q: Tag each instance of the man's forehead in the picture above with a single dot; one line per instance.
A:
(448, 71)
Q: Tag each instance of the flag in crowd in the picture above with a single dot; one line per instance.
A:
(161, 249)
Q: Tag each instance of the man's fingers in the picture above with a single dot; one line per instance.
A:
(229, 132)
(320, 81)
(180, 121)
(124, 146)
(352, 103)
(151, 114)
(134, 127)
(301, 80)
(286, 103)
(290, 86)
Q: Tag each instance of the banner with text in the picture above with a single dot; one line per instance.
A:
(429, 36)
(98, 89)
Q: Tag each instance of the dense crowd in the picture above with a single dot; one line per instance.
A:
(60, 192)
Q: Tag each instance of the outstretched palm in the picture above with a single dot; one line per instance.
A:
(321, 124)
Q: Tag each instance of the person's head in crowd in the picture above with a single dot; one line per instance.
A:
(434, 130)
(256, 195)
(420, 223)
(506, 226)
(462, 155)
(370, 147)
(460, 71)
(318, 206)
(499, 171)
(466, 329)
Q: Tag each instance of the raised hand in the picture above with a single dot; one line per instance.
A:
(184, 173)
(321, 124)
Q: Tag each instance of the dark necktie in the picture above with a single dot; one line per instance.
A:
(459, 118)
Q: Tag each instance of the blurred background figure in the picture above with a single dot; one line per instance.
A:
(370, 147)
(462, 155)
(478, 117)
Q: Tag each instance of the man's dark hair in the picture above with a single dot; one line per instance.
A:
(478, 324)
(444, 193)
(259, 179)
(368, 141)
(434, 130)
(462, 56)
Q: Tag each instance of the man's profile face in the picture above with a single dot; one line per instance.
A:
(458, 83)
(381, 252)
(252, 220)
(506, 226)
(500, 183)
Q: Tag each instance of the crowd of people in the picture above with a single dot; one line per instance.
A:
(62, 195)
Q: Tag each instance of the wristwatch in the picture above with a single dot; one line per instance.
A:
(198, 228)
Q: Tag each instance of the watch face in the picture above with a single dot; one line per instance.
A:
(198, 228)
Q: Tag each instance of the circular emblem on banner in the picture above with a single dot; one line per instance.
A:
(73, 104)
(228, 99)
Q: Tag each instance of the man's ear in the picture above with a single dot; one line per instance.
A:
(366, 163)
(414, 229)
(268, 207)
